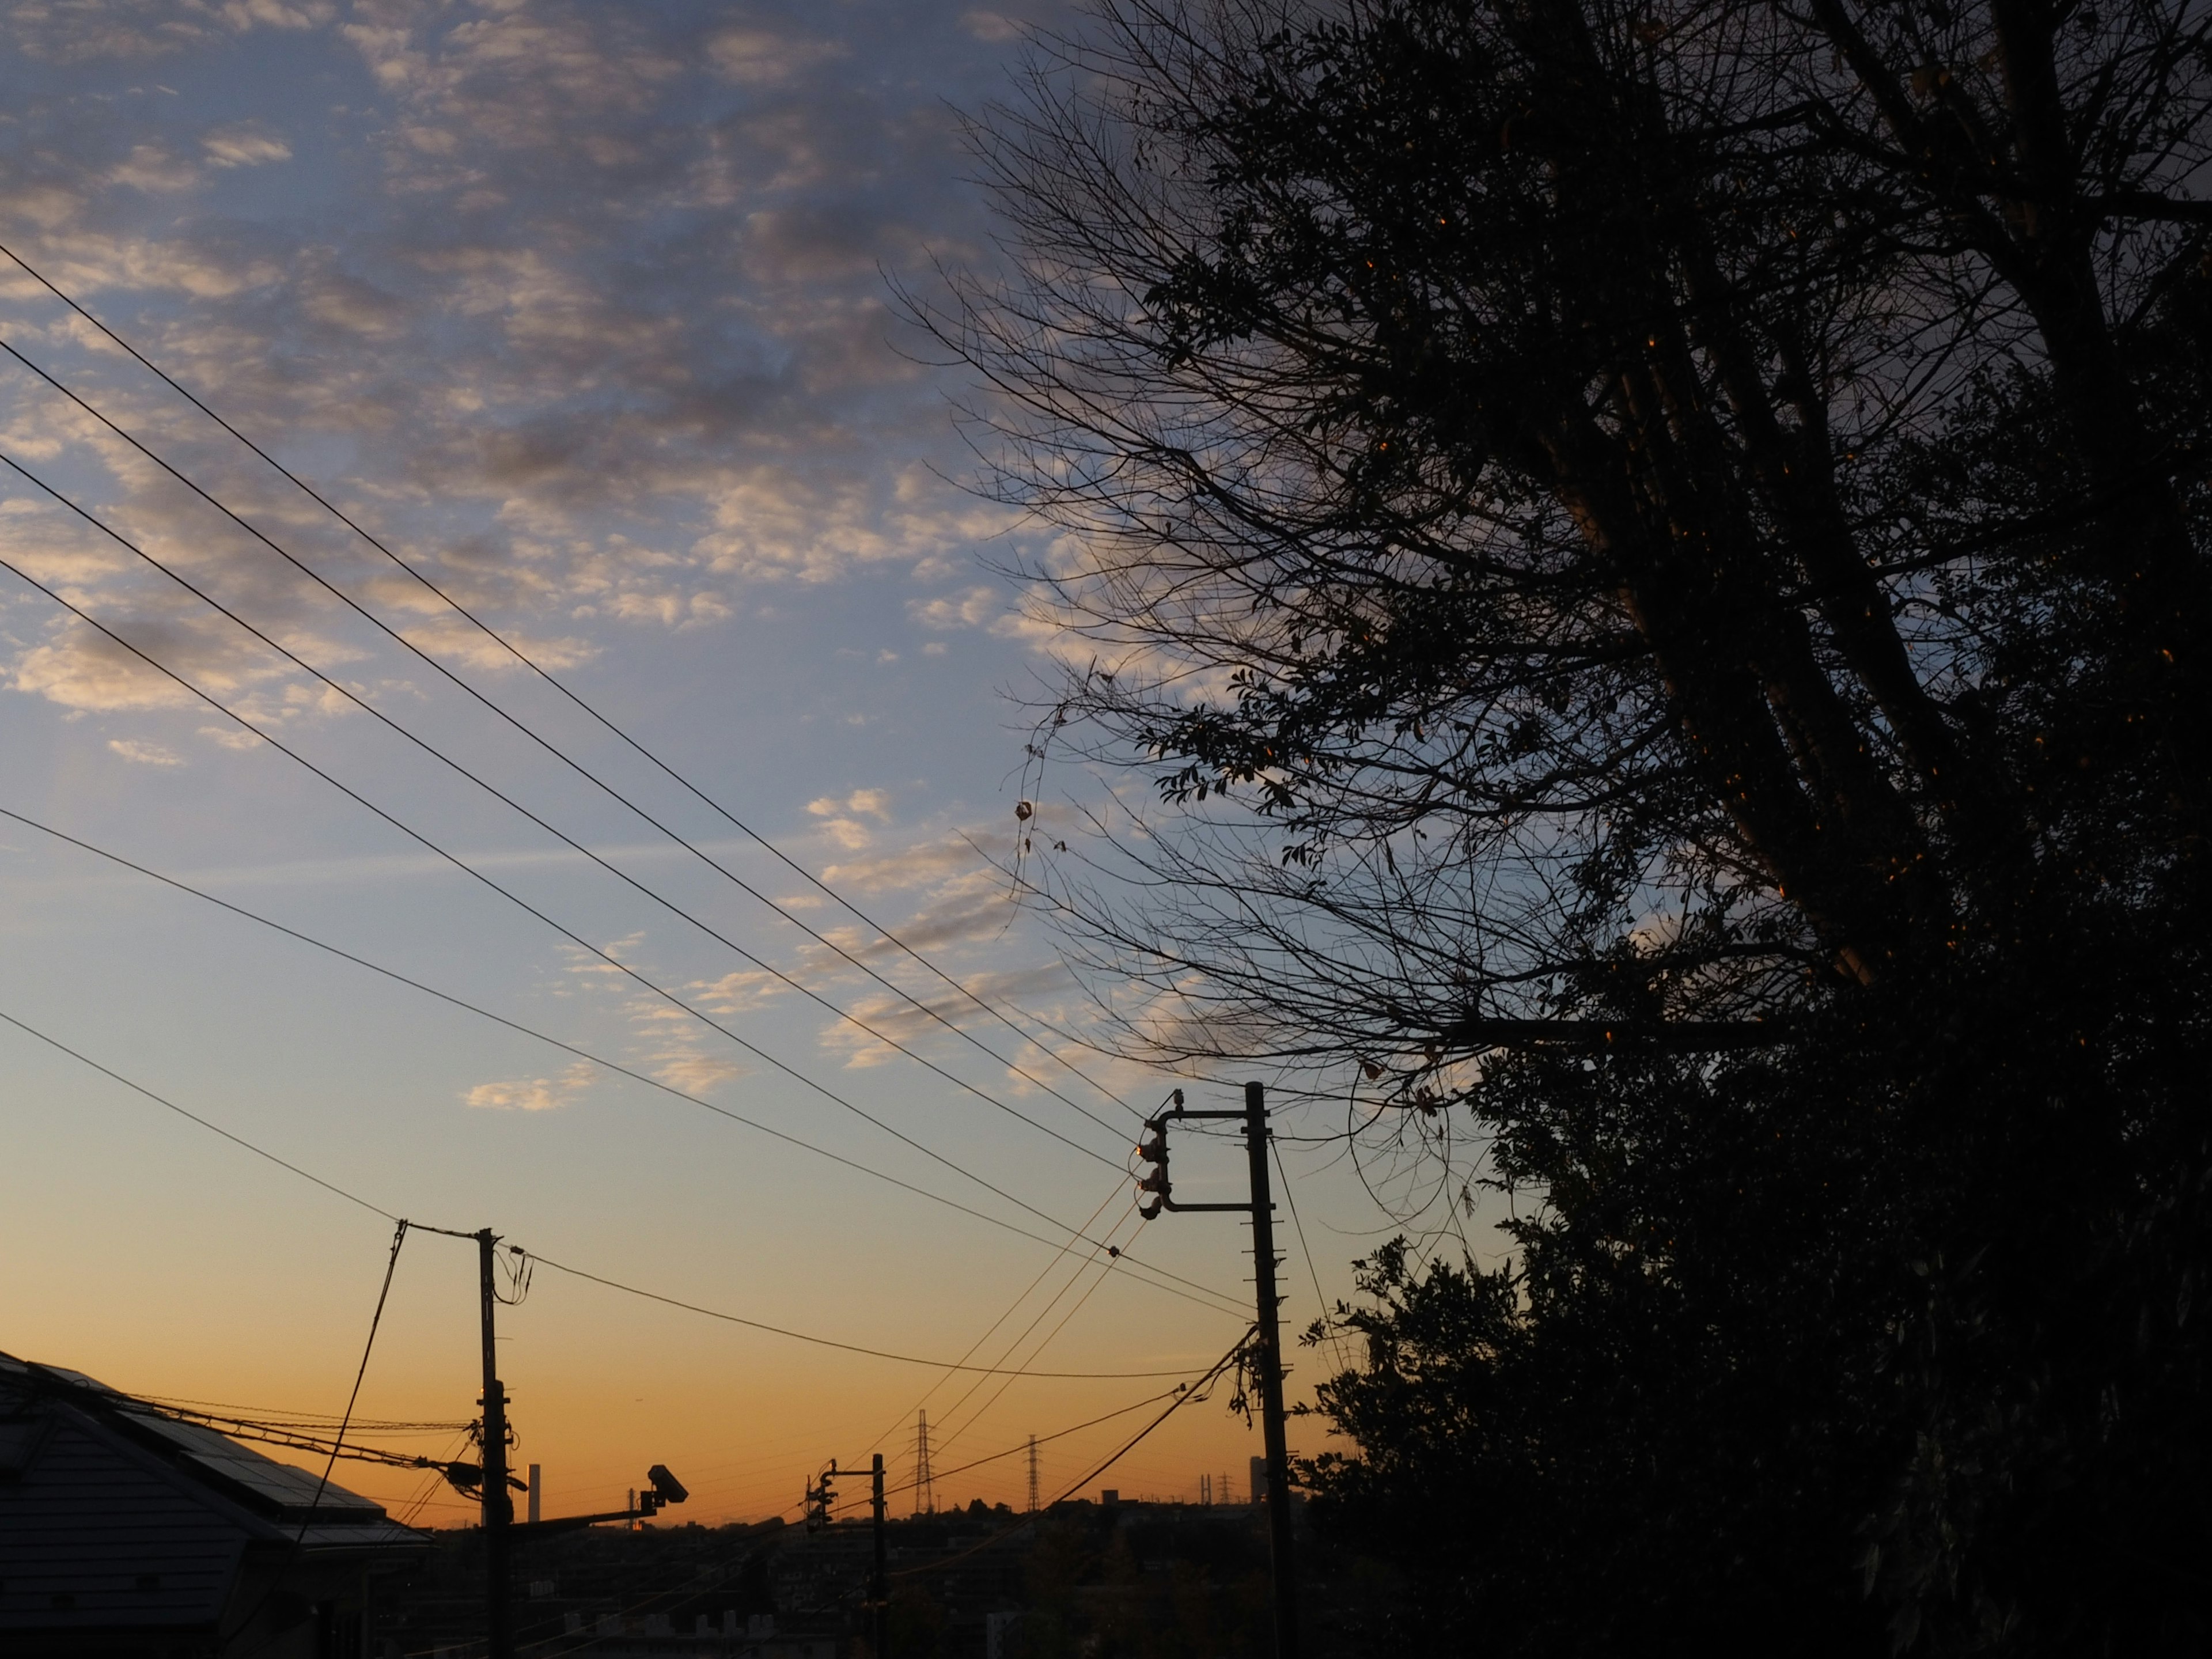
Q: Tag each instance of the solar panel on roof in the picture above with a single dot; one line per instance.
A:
(281, 1484)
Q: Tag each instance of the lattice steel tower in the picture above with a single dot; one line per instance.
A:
(925, 1497)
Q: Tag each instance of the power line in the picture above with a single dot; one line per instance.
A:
(1080, 1301)
(223, 1411)
(826, 1342)
(614, 1066)
(337, 1445)
(586, 707)
(1297, 1226)
(215, 1129)
(509, 801)
(1183, 1397)
(558, 1266)
(469, 870)
(1024, 1294)
(1015, 1451)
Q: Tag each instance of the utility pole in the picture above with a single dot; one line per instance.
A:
(498, 1507)
(1261, 1209)
(879, 1591)
(1270, 1377)
(1033, 1475)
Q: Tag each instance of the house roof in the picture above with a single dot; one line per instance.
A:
(112, 1514)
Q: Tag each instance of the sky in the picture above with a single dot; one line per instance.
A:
(584, 312)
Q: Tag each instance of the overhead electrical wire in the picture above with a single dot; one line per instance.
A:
(551, 680)
(213, 1128)
(559, 1266)
(856, 1500)
(1021, 1296)
(1219, 1303)
(278, 1417)
(940, 1443)
(338, 1448)
(515, 806)
(1328, 1324)
(1183, 1397)
(461, 864)
(825, 1342)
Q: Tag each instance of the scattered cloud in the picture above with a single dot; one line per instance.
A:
(974, 608)
(596, 324)
(245, 144)
(150, 166)
(142, 753)
(695, 1073)
(758, 57)
(875, 802)
(926, 864)
(537, 1094)
(994, 26)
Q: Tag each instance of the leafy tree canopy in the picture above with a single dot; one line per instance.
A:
(1656, 555)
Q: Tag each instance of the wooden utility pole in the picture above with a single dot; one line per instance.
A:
(498, 1507)
(1270, 1377)
(1261, 1209)
(879, 1588)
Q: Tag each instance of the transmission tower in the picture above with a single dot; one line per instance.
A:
(1033, 1480)
(925, 1497)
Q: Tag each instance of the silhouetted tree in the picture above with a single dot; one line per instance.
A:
(1656, 555)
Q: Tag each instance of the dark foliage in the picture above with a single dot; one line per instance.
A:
(1657, 556)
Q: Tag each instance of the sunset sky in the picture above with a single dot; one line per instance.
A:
(582, 308)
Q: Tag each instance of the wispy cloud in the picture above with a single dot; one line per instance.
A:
(140, 753)
(245, 144)
(537, 1094)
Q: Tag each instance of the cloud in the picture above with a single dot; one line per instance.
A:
(591, 327)
(143, 753)
(150, 166)
(746, 990)
(695, 1073)
(757, 56)
(928, 863)
(538, 1094)
(81, 670)
(876, 803)
(972, 609)
(245, 144)
(849, 833)
(87, 31)
(994, 26)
